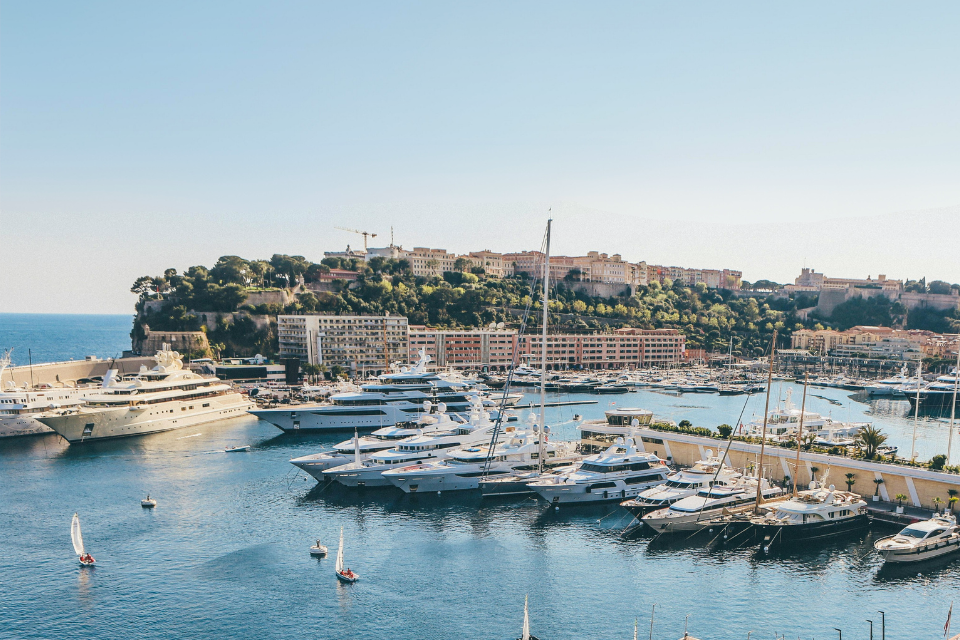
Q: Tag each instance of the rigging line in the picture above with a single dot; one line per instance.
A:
(725, 453)
(509, 382)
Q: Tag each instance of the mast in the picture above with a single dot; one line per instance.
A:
(916, 413)
(543, 351)
(953, 407)
(803, 405)
(766, 411)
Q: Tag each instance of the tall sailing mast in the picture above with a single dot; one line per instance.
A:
(543, 350)
(766, 413)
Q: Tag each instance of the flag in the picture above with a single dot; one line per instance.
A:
(946, 627)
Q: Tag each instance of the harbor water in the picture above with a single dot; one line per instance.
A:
(225, 552)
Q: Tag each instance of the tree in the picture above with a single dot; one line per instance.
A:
(461, 264)
(850, 479)
(937, 462)
(725, 430)
(878, 482)
(937, 501)
(336, 371)
(870, 439)
(231, 269)
(142, 286)
(685, 424)
(900, 498)
(939, 286)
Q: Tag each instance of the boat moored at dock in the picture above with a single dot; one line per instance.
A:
(924, 540)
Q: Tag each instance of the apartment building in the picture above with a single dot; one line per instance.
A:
(876, 342)
(472, 348)
(363, 345)
(492, 263)
(624, 348)
(429, 262)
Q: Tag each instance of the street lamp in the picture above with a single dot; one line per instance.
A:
(840, 631)
(883, 625)
(871, 629)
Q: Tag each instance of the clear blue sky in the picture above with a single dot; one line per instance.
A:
(140, 135)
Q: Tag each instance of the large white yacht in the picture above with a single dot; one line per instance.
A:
(783, 424)
(423, 447)
(922, 540)
(463, 468)
(892, 386)
(683, 483)
(397, 397)
(21, 408)
(160, 399)
(811, 515)
(695, 512)
(380, 440)
(620, 472)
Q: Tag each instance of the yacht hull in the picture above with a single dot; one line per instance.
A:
(582, 493)
(337, 418)
(85, 425)
(784, 535)
(22, 426)
(920, 553)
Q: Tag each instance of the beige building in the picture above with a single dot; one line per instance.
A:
(363, 345)
(493, 263)
(429, 262)
(474, 348)
(810, 280)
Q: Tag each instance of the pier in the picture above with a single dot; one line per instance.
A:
(920, 485)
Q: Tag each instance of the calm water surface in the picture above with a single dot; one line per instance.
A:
(56, 337)
(225, 552)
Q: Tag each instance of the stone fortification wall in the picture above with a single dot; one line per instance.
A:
(921, 486)
(182, 341)
(601, 289)
(56, 373)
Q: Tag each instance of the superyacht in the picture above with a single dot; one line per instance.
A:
(160, 399)
(694, 513)
(463, 468)
(682, 484)
(397, 397)
(423, 447)
(620, 472)
(939, 394)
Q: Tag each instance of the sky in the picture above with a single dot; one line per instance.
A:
(756, 136)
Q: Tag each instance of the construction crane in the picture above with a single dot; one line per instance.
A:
(363, 233)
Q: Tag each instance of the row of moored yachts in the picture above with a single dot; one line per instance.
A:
(610, 464)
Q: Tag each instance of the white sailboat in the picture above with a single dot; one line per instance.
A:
(525, 635)
(344, 575)
(85, 558)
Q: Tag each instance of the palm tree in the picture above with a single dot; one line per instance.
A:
(813, 473)
(870, 439)
(937, 502)
(900, 498)
(878, 482)
(850, 479)
(952, 503)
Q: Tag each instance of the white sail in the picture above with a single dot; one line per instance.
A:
(526, 620)
(75, 535)
(339, 566)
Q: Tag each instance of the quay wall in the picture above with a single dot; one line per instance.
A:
(920, 486)
(57, 373)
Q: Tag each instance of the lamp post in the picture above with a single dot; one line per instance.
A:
(871, 629)
(840, 631)
(883, 625)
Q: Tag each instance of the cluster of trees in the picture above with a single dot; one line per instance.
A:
(465, 297)
(936, 286)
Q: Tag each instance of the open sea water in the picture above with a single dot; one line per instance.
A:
(225, 553)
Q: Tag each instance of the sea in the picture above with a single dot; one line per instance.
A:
(225, 552)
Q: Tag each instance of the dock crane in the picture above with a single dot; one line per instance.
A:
(363, 233)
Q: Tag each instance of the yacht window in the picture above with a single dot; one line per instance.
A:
(913, 532)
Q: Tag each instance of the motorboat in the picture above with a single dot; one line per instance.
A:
(423, 447)
(783, 424)
(814, 514)
(318, 550)
(148, 502)
(922, 540)
(694, 513)
(237, 449)
(160, 399)
(77, 538)
(380, 440)
(343, 574)
(892, 386)
(516, 452)
(396, 397)
(620, 472)
(683, 483)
